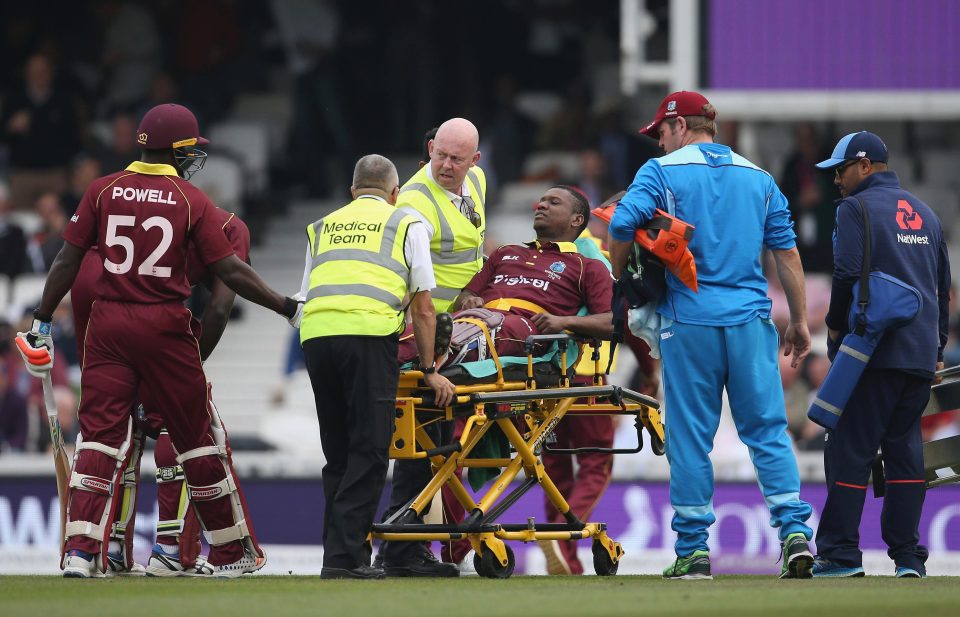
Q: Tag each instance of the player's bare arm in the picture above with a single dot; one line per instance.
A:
(62, 273)
(245, 281)
(619, 252)
(597, 326)
(215, 317)
(467, 300)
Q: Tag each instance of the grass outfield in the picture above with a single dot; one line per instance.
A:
(276, 596)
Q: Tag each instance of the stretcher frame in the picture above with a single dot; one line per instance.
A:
(508, 403)
(941, 457)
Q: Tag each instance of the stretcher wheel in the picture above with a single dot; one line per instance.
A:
(487, 564)
(656, 444)
(603, 565)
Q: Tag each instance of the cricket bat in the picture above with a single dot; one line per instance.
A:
(60, 461)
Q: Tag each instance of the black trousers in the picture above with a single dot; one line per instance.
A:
(884, 412)
(409, 478)
(354, 381)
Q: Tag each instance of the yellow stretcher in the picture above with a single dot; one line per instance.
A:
(526, 402)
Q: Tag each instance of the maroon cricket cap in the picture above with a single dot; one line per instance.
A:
(169, 126)
(683, 103)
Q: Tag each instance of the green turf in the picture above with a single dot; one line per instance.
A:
(520, 596)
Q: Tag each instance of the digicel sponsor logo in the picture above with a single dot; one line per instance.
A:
(141, 195)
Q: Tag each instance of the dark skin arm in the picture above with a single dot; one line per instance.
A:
(215, 317)
(467, 300)
(244, 280)
(598, 326)
(60, 279)
(619, 252)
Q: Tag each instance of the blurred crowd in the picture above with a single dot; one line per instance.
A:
(538, 76)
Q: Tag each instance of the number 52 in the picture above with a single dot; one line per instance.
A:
(148, 267)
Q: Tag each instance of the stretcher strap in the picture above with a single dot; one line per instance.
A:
(233, 533)
(505, 304)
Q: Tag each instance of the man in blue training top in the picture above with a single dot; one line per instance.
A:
(722, 336)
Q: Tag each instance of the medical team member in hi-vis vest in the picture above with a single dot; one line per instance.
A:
(721, 338)
(448, 196)
(361, 261)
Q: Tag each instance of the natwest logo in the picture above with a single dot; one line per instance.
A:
(906, 217)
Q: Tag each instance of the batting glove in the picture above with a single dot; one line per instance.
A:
(36, 346)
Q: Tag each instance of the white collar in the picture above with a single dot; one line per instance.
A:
(377, 197)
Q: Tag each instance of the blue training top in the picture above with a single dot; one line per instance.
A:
(737, 209)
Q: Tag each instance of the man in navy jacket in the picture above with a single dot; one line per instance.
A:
(885, 408)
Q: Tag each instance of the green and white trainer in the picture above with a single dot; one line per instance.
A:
(797, 558)
(695, 566)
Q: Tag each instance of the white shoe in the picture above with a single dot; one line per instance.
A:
(466, 565)
(117, 566)
(77, 566)
(200, 569)
(556, 562)
(164, 564)
(245, 565)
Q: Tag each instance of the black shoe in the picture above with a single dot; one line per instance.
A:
(423, 564)
(444, 333)
(378, 561)
(361, 572)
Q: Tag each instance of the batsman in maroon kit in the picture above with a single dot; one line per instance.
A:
(177, 549)
(144, 220)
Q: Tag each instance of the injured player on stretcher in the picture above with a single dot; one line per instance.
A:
(539, 287)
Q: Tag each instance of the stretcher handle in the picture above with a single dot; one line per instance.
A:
(950, 371)
(444, 450)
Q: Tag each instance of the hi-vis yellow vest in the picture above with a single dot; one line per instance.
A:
(359, 273)
(456, 247)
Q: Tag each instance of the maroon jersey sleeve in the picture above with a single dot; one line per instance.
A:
(481, 279)
(597, 286)
(239, 236)
(81, 231)
(208, 237)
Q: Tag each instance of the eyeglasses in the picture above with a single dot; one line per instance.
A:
(472, 215)
(839, 170)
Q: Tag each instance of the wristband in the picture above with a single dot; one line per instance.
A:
(41, 316)
(430, 370)
(289, 308)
